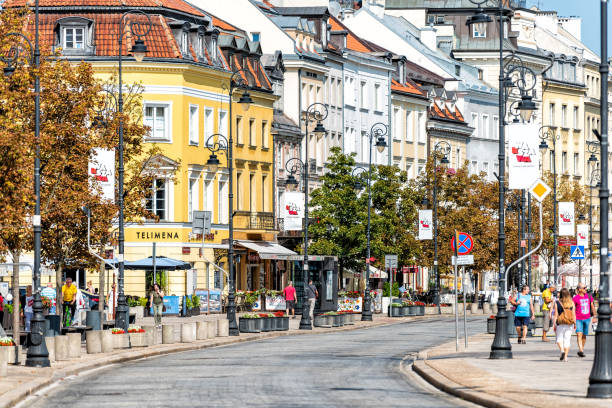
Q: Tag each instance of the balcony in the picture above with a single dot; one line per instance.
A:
(246, 220)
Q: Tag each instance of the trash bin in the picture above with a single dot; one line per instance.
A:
(52, 325)
(93, 319)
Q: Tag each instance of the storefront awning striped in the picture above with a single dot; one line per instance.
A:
(267, 249)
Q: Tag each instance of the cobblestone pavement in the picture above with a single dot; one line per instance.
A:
(346, 369)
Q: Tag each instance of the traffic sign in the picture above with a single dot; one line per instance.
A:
(529, 235)
(577, 252)
(539, 190)
(466, 243)
(390, 261)
(463, 260)
(567, 241)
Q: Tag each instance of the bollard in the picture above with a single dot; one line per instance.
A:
(494, 309)
(121, 341)
(50, 342)
(74, 345)
(3, 361)
(201, 330)
(188, 332)
(222, 327)
(150, 335)
(474, 308)
(212, 329)
(106, 341)
(61, 348)
(486, 308)
(93, 339)
(167, 334)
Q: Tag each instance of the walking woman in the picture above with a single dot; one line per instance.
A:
(564, 325)
(157, 300)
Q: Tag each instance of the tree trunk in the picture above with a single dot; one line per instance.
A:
(16, 305)
(101, 290)
(341, 273)
(58, 291)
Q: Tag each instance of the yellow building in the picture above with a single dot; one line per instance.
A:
(185, 78)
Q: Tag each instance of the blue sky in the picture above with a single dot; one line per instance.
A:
(589, 11)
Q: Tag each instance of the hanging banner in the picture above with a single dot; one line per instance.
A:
(425, 224)
(582, 235)
(293, 210)
(102, 172)
(523, 155)
(566, 219)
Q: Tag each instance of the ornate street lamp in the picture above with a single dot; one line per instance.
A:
(138, 28)
(38, 355)
(441, 152)
(316, 112)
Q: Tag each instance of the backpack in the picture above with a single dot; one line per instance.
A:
(565, 315)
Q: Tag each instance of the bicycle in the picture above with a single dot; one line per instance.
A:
(67, 315)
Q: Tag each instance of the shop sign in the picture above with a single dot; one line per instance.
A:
(186, 251)
(275, 303)
(253, 258)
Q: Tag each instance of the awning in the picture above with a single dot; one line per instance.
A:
(377, 273)
(266, 249)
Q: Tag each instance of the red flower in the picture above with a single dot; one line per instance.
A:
(279, 314)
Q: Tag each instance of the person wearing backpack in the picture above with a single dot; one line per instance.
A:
(564, 324)
(585, 309)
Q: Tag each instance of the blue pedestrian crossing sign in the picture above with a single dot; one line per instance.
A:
(577, 252)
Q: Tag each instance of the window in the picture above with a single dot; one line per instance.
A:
(479, 30)
(192, 199)
(252, 133)
(421, 128)
(377, 98)
(485, 126)
(421, 167)
(252, 194)
(74, 38)
(551, 114)
(238, 191)
(332, 91)
(157, 117)
(184, 42)
(209, 125)
(409, 126)
(576, 123)
(485, 168)
(223, 123)
(551, 160)
(431, 19)
(222, 202)
(564, 116)
(239, 137)
(318, 95)
(458, 158)
(475, 123)
(264, 134)
(474, 167)
(495, 126)
(363, 95)
(156, 202)
(208, 195)
(564, 168)
(264, 192)
(576, 164)
(439, 19)
(397, 131)
(409, 166)
(256, 37)
(193, 124)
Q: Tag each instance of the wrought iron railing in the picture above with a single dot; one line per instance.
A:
(254, 221)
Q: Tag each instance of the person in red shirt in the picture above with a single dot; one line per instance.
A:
(289, 294)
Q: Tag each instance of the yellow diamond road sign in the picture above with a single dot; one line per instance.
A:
(540, 190)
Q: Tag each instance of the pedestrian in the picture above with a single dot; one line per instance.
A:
(289, 294)
(90, 287)
(523, 314)
(157, 300)
(311, 294)
(585, 310)
(111, 301)
(69, 292)
(565, 322)
(28, 309)
(547, 305)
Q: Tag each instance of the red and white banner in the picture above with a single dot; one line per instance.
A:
(566, 219)
(582, 235)
(293, 210)
(425, 224)
(102, 172)
(523, 155)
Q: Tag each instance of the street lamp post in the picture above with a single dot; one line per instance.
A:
(600, 379)
(38, 355)
(547, 133)
(315, 112)
(592, 184)
(442, 149)
(139, 29)
(377, 131)
(216, 143)
(501, 348)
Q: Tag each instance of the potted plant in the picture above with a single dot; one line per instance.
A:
(335, 317)
(539, 320)
(267, 322)
(420, 308)
(137, 336)
(491, 324)
(249, 323)
(282, 321)
(47, 303)
(250, 298)
(195, 310)
(13, 350)
(143, 302)
(348, 317)
(395, 310)
(188, 306)
(322, 320)
(120, 338)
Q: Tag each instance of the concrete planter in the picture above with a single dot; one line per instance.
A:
(50, 343)
(539, 322)
(246, 325)
(348, 319)
(93, 339)
(168, 334)
(138, 339)
(223, 328)
(150, 335)
(3, 362)
(321, 321)
(106, 341)
(282, 323)
(474, 308)
(486, 308)
(267, 324)
(138, 311)
(74, 345)
(12, 354)
(337, 320)
(412, 310)
(494, 308)
(395, 311)
(201, 330)
(212, 329)
(188, 332)
(61, 348)
(420, 310)
(431, 310)
(121, 341)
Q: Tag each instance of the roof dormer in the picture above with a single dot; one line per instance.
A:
(74, 35)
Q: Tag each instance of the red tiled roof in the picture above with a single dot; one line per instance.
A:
(458, 114)
(178, 5)
(436, 113)
(353, 42)
(217, 22)
(408, 87)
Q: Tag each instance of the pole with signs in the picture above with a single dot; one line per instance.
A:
(456, 296)
(390, 264)
(465, 332)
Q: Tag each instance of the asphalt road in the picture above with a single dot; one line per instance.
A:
(358, 368)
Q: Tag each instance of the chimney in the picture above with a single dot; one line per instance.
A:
(429, 37)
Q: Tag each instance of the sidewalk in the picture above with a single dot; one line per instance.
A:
(23, 381)
(533, 378)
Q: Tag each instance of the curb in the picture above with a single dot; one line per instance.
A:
(18, 395)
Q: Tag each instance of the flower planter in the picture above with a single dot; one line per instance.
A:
(337, 320)
(138, 311)
(121, 341)
(349, 319)
(13, 354)
(282, 323)
(404, 311)
(474, 308)
(491, 325)
(412, 310)
(246, 325)
(267, 324)
(420, 310)
(395, 311)
(138, 339)
(539, 322)
(321, 321)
